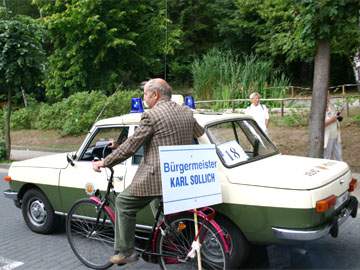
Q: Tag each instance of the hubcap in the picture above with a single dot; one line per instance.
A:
(210, 249)
(37, 213)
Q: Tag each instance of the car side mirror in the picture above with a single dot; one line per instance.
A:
(70, 159)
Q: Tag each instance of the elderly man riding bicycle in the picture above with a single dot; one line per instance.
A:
(166, 123)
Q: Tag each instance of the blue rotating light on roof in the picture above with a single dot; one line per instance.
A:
(136, 105)
(190, 102)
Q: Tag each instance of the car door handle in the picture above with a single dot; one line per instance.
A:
(119, 178)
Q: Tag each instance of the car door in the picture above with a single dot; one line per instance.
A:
(132, 163)
(75, 179)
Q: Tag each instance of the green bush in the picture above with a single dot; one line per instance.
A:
(76, 114)
(25, 118)
(81, 110)
(51, 116)
(119, 103)
(293, 119)
(356, 119)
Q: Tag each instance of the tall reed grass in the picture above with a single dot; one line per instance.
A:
(223, 75)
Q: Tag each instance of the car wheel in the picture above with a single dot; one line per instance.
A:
(38, 213)
(238, 245)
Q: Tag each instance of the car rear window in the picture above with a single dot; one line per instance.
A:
(240, 141)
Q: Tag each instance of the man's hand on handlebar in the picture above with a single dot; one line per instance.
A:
(97, 165)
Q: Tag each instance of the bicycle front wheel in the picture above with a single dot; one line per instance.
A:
(174, 245)
(90, 233)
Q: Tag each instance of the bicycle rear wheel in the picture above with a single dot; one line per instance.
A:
(175, 244)
(91, 239)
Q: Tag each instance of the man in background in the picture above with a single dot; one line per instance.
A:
(332, 138)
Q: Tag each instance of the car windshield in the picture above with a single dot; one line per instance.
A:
(239, 141)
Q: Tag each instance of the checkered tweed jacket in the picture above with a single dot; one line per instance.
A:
(167, 123)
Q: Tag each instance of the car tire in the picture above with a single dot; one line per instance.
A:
(38, 213)
(238, 244)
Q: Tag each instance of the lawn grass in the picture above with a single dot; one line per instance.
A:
(45, 140)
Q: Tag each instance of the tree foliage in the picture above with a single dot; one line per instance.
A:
(21, 7)
(204, 25)
(21, 60)
(305, 30)
(196, 21)
(292, 28)
(103, 44)
(22, 54)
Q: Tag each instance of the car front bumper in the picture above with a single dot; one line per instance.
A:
(12, 195)
(331, 228)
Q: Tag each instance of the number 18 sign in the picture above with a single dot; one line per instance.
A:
(232, 153)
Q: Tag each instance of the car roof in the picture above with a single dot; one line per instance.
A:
(203, 118)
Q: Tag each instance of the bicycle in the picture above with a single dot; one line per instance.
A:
(90, 232)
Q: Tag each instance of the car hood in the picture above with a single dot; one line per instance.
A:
(288, 172)
(56, 161)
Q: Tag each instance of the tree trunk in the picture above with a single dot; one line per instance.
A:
(7, 114)
(319, 99)
(24, 97)
(356, 67)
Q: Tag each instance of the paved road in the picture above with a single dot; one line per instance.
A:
(21, 249)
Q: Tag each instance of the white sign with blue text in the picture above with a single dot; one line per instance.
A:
(189, 177)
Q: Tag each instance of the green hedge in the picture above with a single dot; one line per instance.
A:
(24, 118)
(356, 119)
(292, 119)
(74, 115)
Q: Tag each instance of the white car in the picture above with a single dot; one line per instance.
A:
(267, 197)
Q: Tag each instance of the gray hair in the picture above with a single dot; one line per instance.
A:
(161, 85)
(254, 94)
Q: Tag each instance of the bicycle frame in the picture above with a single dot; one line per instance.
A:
(102, 203)
(206, 213)
(201, 213)
(107, 208)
